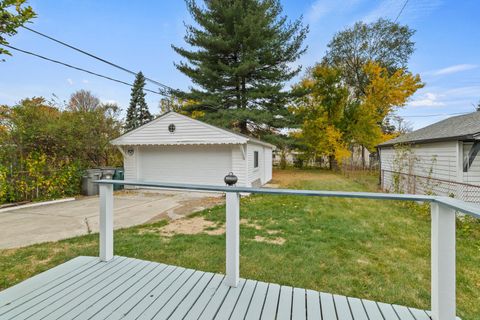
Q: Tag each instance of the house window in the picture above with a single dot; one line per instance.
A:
(171, 128)
(255, 159)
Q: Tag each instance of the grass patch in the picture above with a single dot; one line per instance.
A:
(378, 250)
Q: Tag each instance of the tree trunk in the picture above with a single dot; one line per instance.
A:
(363, 158)
(331, 159)
(244, 93)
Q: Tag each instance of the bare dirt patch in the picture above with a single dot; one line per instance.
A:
(187, 207)
(250, 224)
(254, 225)
(278, 241)
(191, 226)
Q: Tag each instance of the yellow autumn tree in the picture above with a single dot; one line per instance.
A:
(384, 94)
(321, 111)
(333, 119)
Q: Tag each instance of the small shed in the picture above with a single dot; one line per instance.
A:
(178, 149)
(440, 159)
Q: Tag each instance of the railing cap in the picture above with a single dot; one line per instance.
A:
(465, 207)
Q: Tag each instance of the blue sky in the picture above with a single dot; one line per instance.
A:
(138, 35)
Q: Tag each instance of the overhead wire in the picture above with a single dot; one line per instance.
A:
(401, 11)
(163, 86)
(80, 69)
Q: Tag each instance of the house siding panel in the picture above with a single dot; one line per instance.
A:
(255, 174)
(268, 164)
(438, 160)
(238, 165)
(187, 131)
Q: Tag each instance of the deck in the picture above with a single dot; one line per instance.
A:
(126, 288)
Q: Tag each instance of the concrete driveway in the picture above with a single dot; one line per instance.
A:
(58, 221)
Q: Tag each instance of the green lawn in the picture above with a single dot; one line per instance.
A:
(371, 249)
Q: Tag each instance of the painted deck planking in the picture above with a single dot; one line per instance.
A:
(126, 288)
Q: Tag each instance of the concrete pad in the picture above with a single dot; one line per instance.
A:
(58, 221)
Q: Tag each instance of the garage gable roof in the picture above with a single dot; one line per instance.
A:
(186, 131)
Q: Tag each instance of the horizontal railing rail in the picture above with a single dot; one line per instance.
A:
(458, 205)
(443, 209)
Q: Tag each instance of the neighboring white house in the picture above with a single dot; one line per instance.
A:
(179, 149)
(440, 159)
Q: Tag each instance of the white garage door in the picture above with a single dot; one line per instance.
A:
(185, 164)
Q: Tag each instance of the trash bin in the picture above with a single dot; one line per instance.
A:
(89, 188)
(118, 175)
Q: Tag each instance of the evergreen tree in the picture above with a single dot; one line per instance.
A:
(137, 113)
(242, 58)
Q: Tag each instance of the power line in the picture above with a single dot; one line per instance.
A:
(401, 11)
(79, 69)
(165, 87)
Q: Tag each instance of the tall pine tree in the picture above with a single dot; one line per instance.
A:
(137, 113)
(242, 58)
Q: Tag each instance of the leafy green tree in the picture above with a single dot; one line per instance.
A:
(35, 126)
(13, 14)
(242, 56)
(384, 42)
(44, 148)
(137, 112)
(88, 134)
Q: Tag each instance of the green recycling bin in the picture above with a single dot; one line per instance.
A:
(118, 175)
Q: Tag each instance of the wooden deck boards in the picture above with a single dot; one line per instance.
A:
(126, 288)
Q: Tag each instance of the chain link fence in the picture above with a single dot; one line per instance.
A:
(393, 181)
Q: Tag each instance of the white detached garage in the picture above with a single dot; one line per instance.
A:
(176, 148)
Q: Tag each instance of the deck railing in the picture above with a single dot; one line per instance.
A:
(443, 211)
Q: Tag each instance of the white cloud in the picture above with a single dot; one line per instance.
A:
(391, 8)
(427, 99)
(321, 8)
(454, 69)
(85, 81)
(70, 81)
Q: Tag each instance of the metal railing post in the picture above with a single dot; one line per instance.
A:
(443, 262)
(233, 238)
(106, 222)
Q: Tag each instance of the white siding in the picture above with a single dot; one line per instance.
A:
(268, 164)
(437, 160)
(426, 163)
(187, 131)
(255, 175)
(130, 164)
(239, 164)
